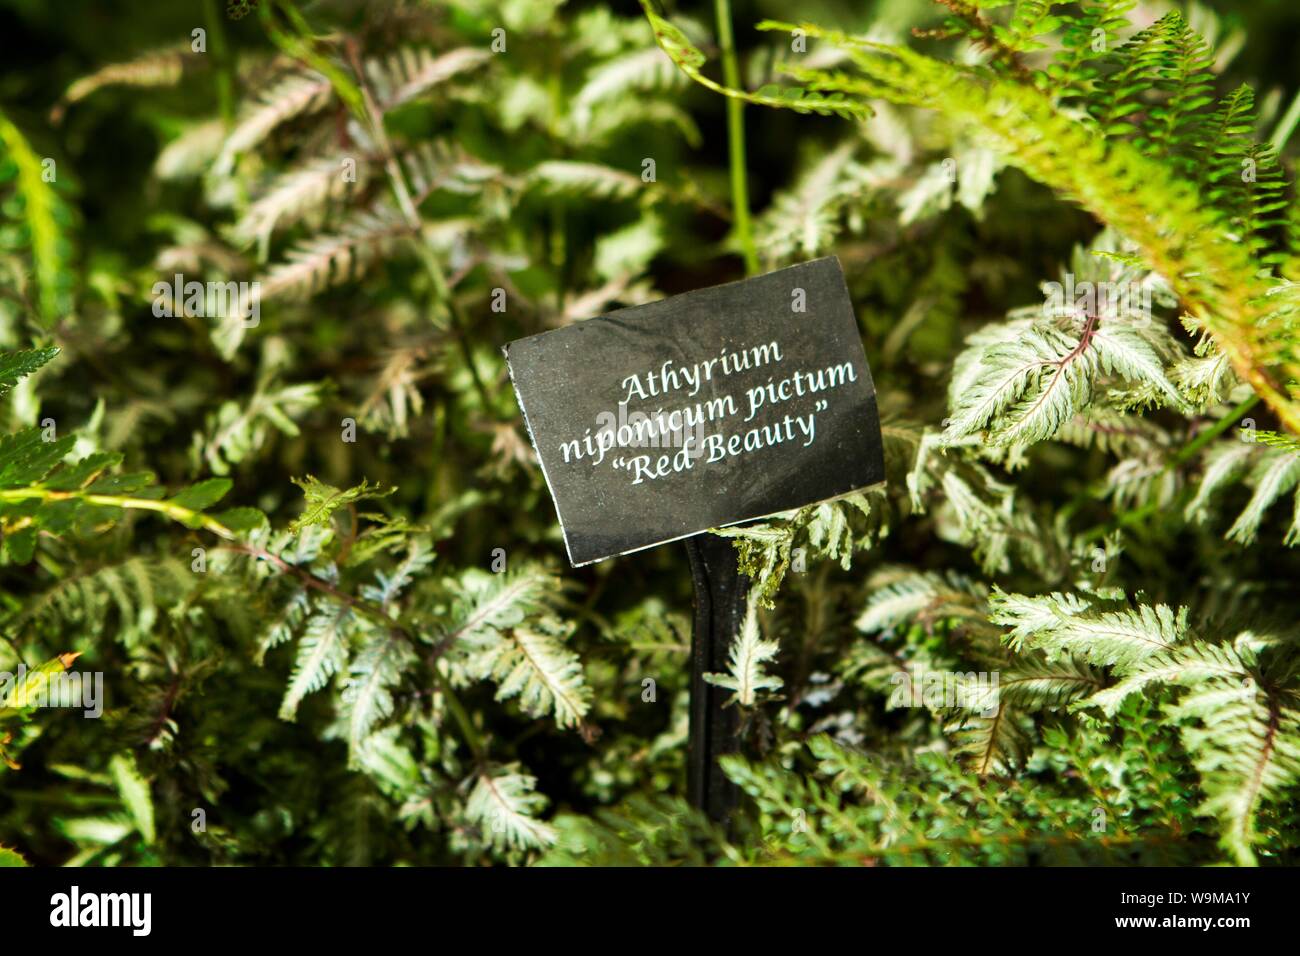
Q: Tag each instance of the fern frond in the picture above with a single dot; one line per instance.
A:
(389, 586)
(153, 69)
(322, 653)
(1275, 474)
(1288, 443)
(301, 194)
(138, 590)
(900, 596)
(1031, 684)
(446, 166)
(639, 71)
(983, 515)
(991, 745)
(1225, 463)
(1184, 68)
(374, 673)
(325, 261)
(746, 676)
(1204, 380)
(1242, 730)
(280, 627)
(44, 220)
(1247, 750)
(1186, 666)
(1267, 202)
(1142, 481)
(42, 492)
(531, 662)
(16, 366)
(988, 383)
(1066, 624)
(1024, 382)
(323, 500)
(1138, 195)
(237, 429)
(834, 530)
(191, 154)
(804, 219)
(1228, 140)
(408, 73)
(291, 96)
(504, 805)
(560, 177)
(487, 603)
(506, 631)
(1087, 40)
(1113, 432)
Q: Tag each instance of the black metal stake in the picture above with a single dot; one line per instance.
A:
(720, 593)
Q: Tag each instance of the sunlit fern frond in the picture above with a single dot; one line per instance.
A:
(408, 73)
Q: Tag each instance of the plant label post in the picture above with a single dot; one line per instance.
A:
(658, 422)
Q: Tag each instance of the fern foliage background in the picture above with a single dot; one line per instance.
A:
(305, 545)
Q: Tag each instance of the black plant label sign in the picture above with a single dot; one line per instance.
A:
(711, 408)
